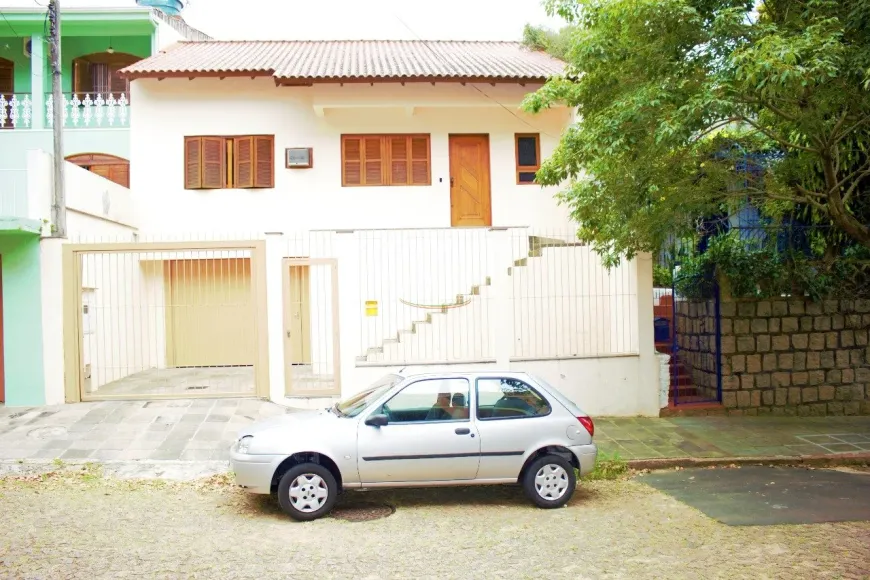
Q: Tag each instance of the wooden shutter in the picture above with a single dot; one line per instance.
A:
(101, 79)
(214, 167)
(7, 76)
(264, 161)
(193, 162)
(399, 159)
(420, 160)
(243, 162)
(120, 174)
(373, 161)
(82, 82)
(351, 161)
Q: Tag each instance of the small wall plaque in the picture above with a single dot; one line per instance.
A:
(298, 157)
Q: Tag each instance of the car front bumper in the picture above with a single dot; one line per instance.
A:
(253, 472)
(586, 455)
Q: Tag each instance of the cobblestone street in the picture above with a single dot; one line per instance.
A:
(86, 527)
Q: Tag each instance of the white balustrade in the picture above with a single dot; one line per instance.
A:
(16, 111)
(83, 110)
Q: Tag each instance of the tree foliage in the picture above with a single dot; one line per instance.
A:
(671, 95)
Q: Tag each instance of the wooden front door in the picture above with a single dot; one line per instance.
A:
(470, 196)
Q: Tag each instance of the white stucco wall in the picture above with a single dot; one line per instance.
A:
(306, 199)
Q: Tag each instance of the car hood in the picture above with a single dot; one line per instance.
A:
(307, 420)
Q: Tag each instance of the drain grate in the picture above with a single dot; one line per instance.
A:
(362, 512)
(197, 388)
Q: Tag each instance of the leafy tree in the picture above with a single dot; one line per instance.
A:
(672, 95)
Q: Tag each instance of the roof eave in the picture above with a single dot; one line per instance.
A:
(308, 81)
(175, 74)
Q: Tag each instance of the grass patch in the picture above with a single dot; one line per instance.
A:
(608, 466)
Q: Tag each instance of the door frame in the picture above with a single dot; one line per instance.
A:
(487, 168)
(286, 263)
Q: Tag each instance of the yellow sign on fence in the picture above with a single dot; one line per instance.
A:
(371, 307)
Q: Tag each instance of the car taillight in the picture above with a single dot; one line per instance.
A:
(588, 424)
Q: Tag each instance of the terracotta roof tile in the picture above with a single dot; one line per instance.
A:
(324, 61)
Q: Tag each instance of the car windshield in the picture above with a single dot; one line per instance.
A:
(353, 406)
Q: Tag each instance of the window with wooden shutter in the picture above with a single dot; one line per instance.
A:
(264, 161)
(528, 156)
(421, 173)
(351, 156)
(193, 162)
(243, 158)
(242, 162)
(398, 160)
(214, 166)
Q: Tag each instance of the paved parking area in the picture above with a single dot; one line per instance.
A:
(76, 528)
(723, 436)
(187, 430)
(203, 429)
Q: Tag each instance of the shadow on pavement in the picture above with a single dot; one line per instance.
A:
(470, 496)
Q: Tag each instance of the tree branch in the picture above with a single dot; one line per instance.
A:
(854, 185)
(779, 140)
(714, 126)
(855, 126)
(864, 166)
(837, 126)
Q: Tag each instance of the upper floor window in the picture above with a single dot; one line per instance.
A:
(506, 398)
(528, 152)
(385, 160)
(240, 162)
(97, 74)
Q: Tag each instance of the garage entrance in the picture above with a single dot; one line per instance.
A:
(165, 320)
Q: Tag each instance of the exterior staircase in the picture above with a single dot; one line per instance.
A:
(376, 354)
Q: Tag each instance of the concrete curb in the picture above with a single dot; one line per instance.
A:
(780, 460)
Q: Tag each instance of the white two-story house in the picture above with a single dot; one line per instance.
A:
(315, 214)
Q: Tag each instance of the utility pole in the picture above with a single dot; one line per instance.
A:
(58, 203)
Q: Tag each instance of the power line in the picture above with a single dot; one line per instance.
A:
(472, 85)
(9, 24)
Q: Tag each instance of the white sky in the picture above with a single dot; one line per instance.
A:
(365, 19)
(347, 19)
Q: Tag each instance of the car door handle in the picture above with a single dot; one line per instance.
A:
(463, 430)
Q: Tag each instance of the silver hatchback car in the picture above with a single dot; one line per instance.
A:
(470, 428)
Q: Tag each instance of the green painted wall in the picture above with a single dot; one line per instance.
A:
(15, 53)
(71, 47)
(77, 46)
(22, 320)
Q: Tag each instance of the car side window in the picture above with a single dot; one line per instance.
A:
(508, 398)
(429, 400)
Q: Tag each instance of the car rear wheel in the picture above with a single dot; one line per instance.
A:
(549, 481)
(307, 492)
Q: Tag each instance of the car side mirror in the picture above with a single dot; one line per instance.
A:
(378, 420)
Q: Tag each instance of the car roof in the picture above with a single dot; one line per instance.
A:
(464, 374)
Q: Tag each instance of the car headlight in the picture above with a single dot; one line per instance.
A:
(245, 443)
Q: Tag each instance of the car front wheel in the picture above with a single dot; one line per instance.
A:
(549, 481)
(307, 492)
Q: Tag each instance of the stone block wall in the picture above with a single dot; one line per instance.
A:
(791, 356)
(696, 339)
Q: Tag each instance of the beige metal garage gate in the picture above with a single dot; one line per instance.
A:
(165, 320)
(209, 313)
